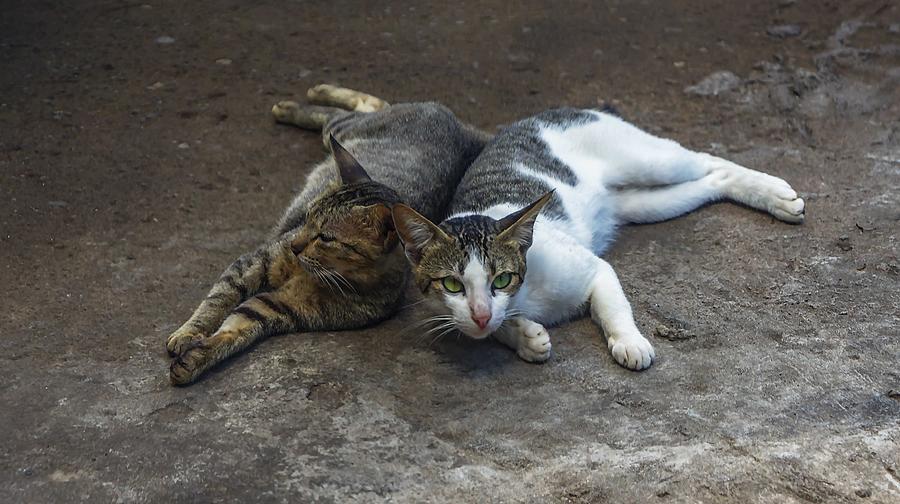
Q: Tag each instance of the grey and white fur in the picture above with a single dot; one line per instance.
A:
(541, 203)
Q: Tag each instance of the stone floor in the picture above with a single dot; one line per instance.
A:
(138, 158)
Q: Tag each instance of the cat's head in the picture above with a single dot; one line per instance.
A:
(349, 229)
(469, 268)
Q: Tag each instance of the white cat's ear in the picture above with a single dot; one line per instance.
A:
(415, 231)
(349, 169)
(519, 226)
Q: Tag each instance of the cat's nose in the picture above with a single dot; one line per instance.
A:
(481, 320)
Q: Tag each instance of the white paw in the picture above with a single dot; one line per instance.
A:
(788, 209)
(760, 190)
(776, 196)
(534, 343)
(633, 352)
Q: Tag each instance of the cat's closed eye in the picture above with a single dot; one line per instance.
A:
(325, 237)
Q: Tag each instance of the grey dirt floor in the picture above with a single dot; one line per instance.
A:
(138, 158)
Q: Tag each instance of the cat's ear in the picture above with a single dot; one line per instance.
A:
(415, 231)
(349, 169)
(382, 214)
(518, 226)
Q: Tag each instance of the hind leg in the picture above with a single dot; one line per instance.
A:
(311, 117)
(635, 160)
(348, 99)
(329, 101)
(724, 180)
(754, 189)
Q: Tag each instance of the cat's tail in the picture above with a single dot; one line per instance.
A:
(327, 102)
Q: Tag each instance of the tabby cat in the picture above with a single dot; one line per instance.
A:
(538, 206)
(333, 261)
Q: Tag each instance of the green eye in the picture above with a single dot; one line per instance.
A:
(452, 285)
(502, 280)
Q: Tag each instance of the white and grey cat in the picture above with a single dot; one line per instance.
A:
(537, 207)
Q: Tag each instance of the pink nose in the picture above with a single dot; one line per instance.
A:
(481, 320)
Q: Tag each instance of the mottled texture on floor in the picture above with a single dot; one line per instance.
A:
(138, 158)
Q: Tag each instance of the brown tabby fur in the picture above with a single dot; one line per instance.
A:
(334, 261)
(310, 280)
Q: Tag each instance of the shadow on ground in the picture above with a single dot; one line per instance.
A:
(137, 159)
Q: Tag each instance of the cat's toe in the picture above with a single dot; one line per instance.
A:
(535, 344)
(635, 353)
(188, 366)
(284, 111)
(179, 341)
(790, 210)
(780, 199)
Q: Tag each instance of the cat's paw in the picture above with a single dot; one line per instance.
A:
(534, 343)
(633, 352)
(189, 364)
(181, 339)
(788, 209)
(285, 111)
(776, 196)
(758, 190)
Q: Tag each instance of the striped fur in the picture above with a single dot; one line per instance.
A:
(333, 262)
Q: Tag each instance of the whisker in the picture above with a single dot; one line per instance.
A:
(441, 326)
(449, 326)
(342, 279)
(439, 336)
(321, 273)
(436, 318)
(410, 305)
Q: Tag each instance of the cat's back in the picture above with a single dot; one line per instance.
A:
(421, 150)
(518, 166)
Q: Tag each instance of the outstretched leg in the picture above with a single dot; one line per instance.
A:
(311, 117)
(529, 339)
(329, 102)
(723, 179)
(657, 179)
(249, 274)
(256, 318)
(348, 99)
(611, 311)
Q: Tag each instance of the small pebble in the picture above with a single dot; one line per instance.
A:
(784, 31)
(714, 84)
(663, 331)
(223, 61)
(165, 39)
(184, 145)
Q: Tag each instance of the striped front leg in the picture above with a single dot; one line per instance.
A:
(260, 316)
(250, 273)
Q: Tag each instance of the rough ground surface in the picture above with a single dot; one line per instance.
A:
(138, 158)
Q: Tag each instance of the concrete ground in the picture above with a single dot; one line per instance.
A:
(138, 158)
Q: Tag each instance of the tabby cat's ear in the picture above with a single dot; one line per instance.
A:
(381, 213)
(518, 226)
(349, 169)
(415, 231)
